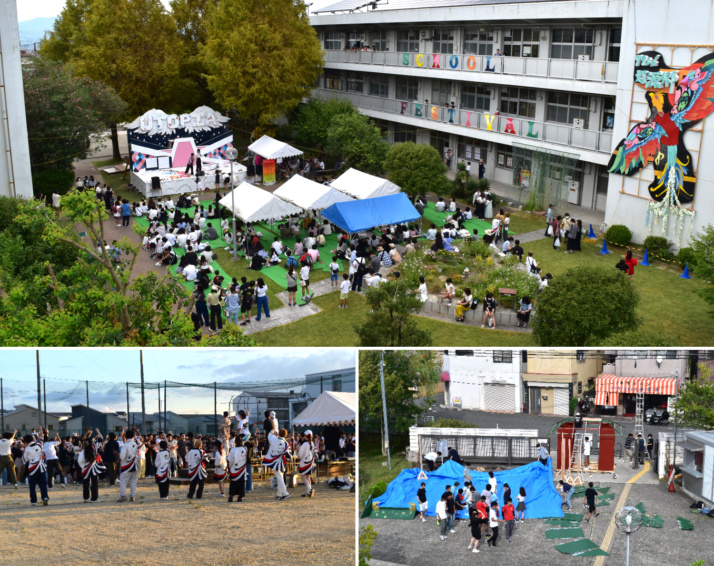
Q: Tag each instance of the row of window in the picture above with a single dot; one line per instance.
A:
(561, 107)
(566, 43)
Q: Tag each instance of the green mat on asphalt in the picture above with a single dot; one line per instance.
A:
(573, 516)
(582, 545)
(602, 490)
(606, 496)
(684, 524)
(561, 523)
(641, 508)
(277, 274)
(593, 552)
(553, 534)
(655, 522)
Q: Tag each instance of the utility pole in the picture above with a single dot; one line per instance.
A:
(39, 398)
(89, 425)
(127, 403)
(384, 410)
(143, 403)
(44, 395)
(166, 414)
(158, 389)
(2, 409)
(215, 407)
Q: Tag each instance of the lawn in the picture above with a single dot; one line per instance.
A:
(669, 305)
(115, 181)
(371, 470)
(335, 327)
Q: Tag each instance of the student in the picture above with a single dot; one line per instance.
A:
(247, 290)
(589, 500)
(6, 458)
(334, 271)
(482, 509)
(277, 458)
(196, 460)
(521, 507)
(492, 482)
(567, 491)
(508, 513)
(524, 311)
(162, 463)
(487, 494)
(243, 429)
(423, 503)
(467, 475)
(493, 521)
(506, 492)
(344, 290)
(628, 445)
(448, 293)
(219, 472)
(430, 458)
(238, 461)
(35, 469)
(306, 463)
(261, 291)
(129, 465)
(475, 525)
(91, 467)
(587, 446)
(489, 311)
(441, 517)
(305, 283)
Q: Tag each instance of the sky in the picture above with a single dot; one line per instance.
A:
(108, 370)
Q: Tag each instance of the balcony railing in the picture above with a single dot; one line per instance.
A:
(601, 71)
(551, 132)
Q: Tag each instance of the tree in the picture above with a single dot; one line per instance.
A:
(584, 306)
(391, 322)
(703, 261)
(313, 120)
(359, 141)
(416, 168)
(63, 112)
(403, 371)
(130, 45)
(262, 57)
(695, 402)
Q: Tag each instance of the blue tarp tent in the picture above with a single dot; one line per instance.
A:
(358, 215)
(542, 500)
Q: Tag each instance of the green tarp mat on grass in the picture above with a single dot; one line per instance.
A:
(582, 545)
(553, 534)
(438, 218)
(277, 274)
(684, 524)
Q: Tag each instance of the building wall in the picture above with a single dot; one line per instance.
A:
(341, 380)
(15, 173)
(661, 22)
(644, 364)
(24, 420)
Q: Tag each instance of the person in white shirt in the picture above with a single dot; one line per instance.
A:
(219, 473)
(587, 447)
(91, 467)
(6, 461)
(442, 517)
(305, 283)
(344, 291)
(372, 279)
(467, 214)
(431, 233)
(493, 482)
(237, 462)
(276, 459)
(35, 469)
(243, 429)
(452, 205)
(493, 521)
(277, 245)
(440, 206)
(423, 293)
(430, 458)
(189, 272)
(162, 463)
(49, 449)
(196, 460)
(129, 464)
(306, 463)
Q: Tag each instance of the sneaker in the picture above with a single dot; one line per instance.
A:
(63, 486)
(45, 502)
(132, 499)
(284, 497)
(483, 326)
(86, 500)
(33, 504)
(587, 520)
(475, 550)
(452, 531)
(230, 499)
(15, 486)
(220, 495)
(304, 495)
(441, 537)
(122, 499)
(570, 508)
(469, 547)
(423, 520)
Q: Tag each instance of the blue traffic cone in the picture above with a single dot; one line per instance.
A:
(604, 250)
(591, 234)
(686, 275)
(645, 261)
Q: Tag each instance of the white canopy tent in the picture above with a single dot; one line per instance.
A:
(253, 204)
(329, 409)
(363, 185)
(308, 194)
(270, 148)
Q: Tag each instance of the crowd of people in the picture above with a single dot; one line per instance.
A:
(43, 461)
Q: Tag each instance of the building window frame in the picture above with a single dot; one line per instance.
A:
(521, 42)
(404, 133)
(443, 41)
(564, 107)
(379, 86)
(477, 42)
(570, 43)
(333, 40)
(476, 97)
(408, 41)
(518, 101)
(380, 41)
(407, 88)
(355, 82)
(502, 356)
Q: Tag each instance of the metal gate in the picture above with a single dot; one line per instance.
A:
(499, 397)
(561, 397)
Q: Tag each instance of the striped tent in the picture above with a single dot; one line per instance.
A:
(608, 387)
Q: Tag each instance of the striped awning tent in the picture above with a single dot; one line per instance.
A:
(608, 387)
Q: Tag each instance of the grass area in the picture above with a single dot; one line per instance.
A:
(311, 330)
(371, 470)
(526, 222)
(118, 185)
(669, 305)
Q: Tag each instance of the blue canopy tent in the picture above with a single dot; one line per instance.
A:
(542, 500)
(358, 215)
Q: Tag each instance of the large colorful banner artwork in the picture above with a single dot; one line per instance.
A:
(677, 99)
(268, 171)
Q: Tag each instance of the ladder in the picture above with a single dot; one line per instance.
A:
(640, 414)
(576, 462)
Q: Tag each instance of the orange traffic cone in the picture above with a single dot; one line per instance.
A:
(670, 481)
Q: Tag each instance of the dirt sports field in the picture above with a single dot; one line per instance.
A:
(260, 530)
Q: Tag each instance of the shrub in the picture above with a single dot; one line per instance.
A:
(453, 423)
(687, 256)
(44, 183)
(585, 306)
(657, 246)
(378, 489)
(366, 542)
(506, 276)
(639, 339)
(618, 234)
(573, 404)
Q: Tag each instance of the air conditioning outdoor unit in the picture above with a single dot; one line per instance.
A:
(578, 123)
(427, 34)
(583, 57)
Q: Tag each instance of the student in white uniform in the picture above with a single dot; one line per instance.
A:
(35, 469)
(162, 463)
(276, 458)
(6, 460)
(91, 466)
(237, 462)
(243, 431)
(129, 464)
(306, 463)
(196, 460)
(219, 473)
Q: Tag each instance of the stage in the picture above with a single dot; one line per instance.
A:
(174, 181)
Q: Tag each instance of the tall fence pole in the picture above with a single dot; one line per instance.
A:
(89, 425)
(143, 402)
(384, 410)
(2, 408)
(166, 414)
(44, 396)
(158, 414)
(39, 398)
(215, 407)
